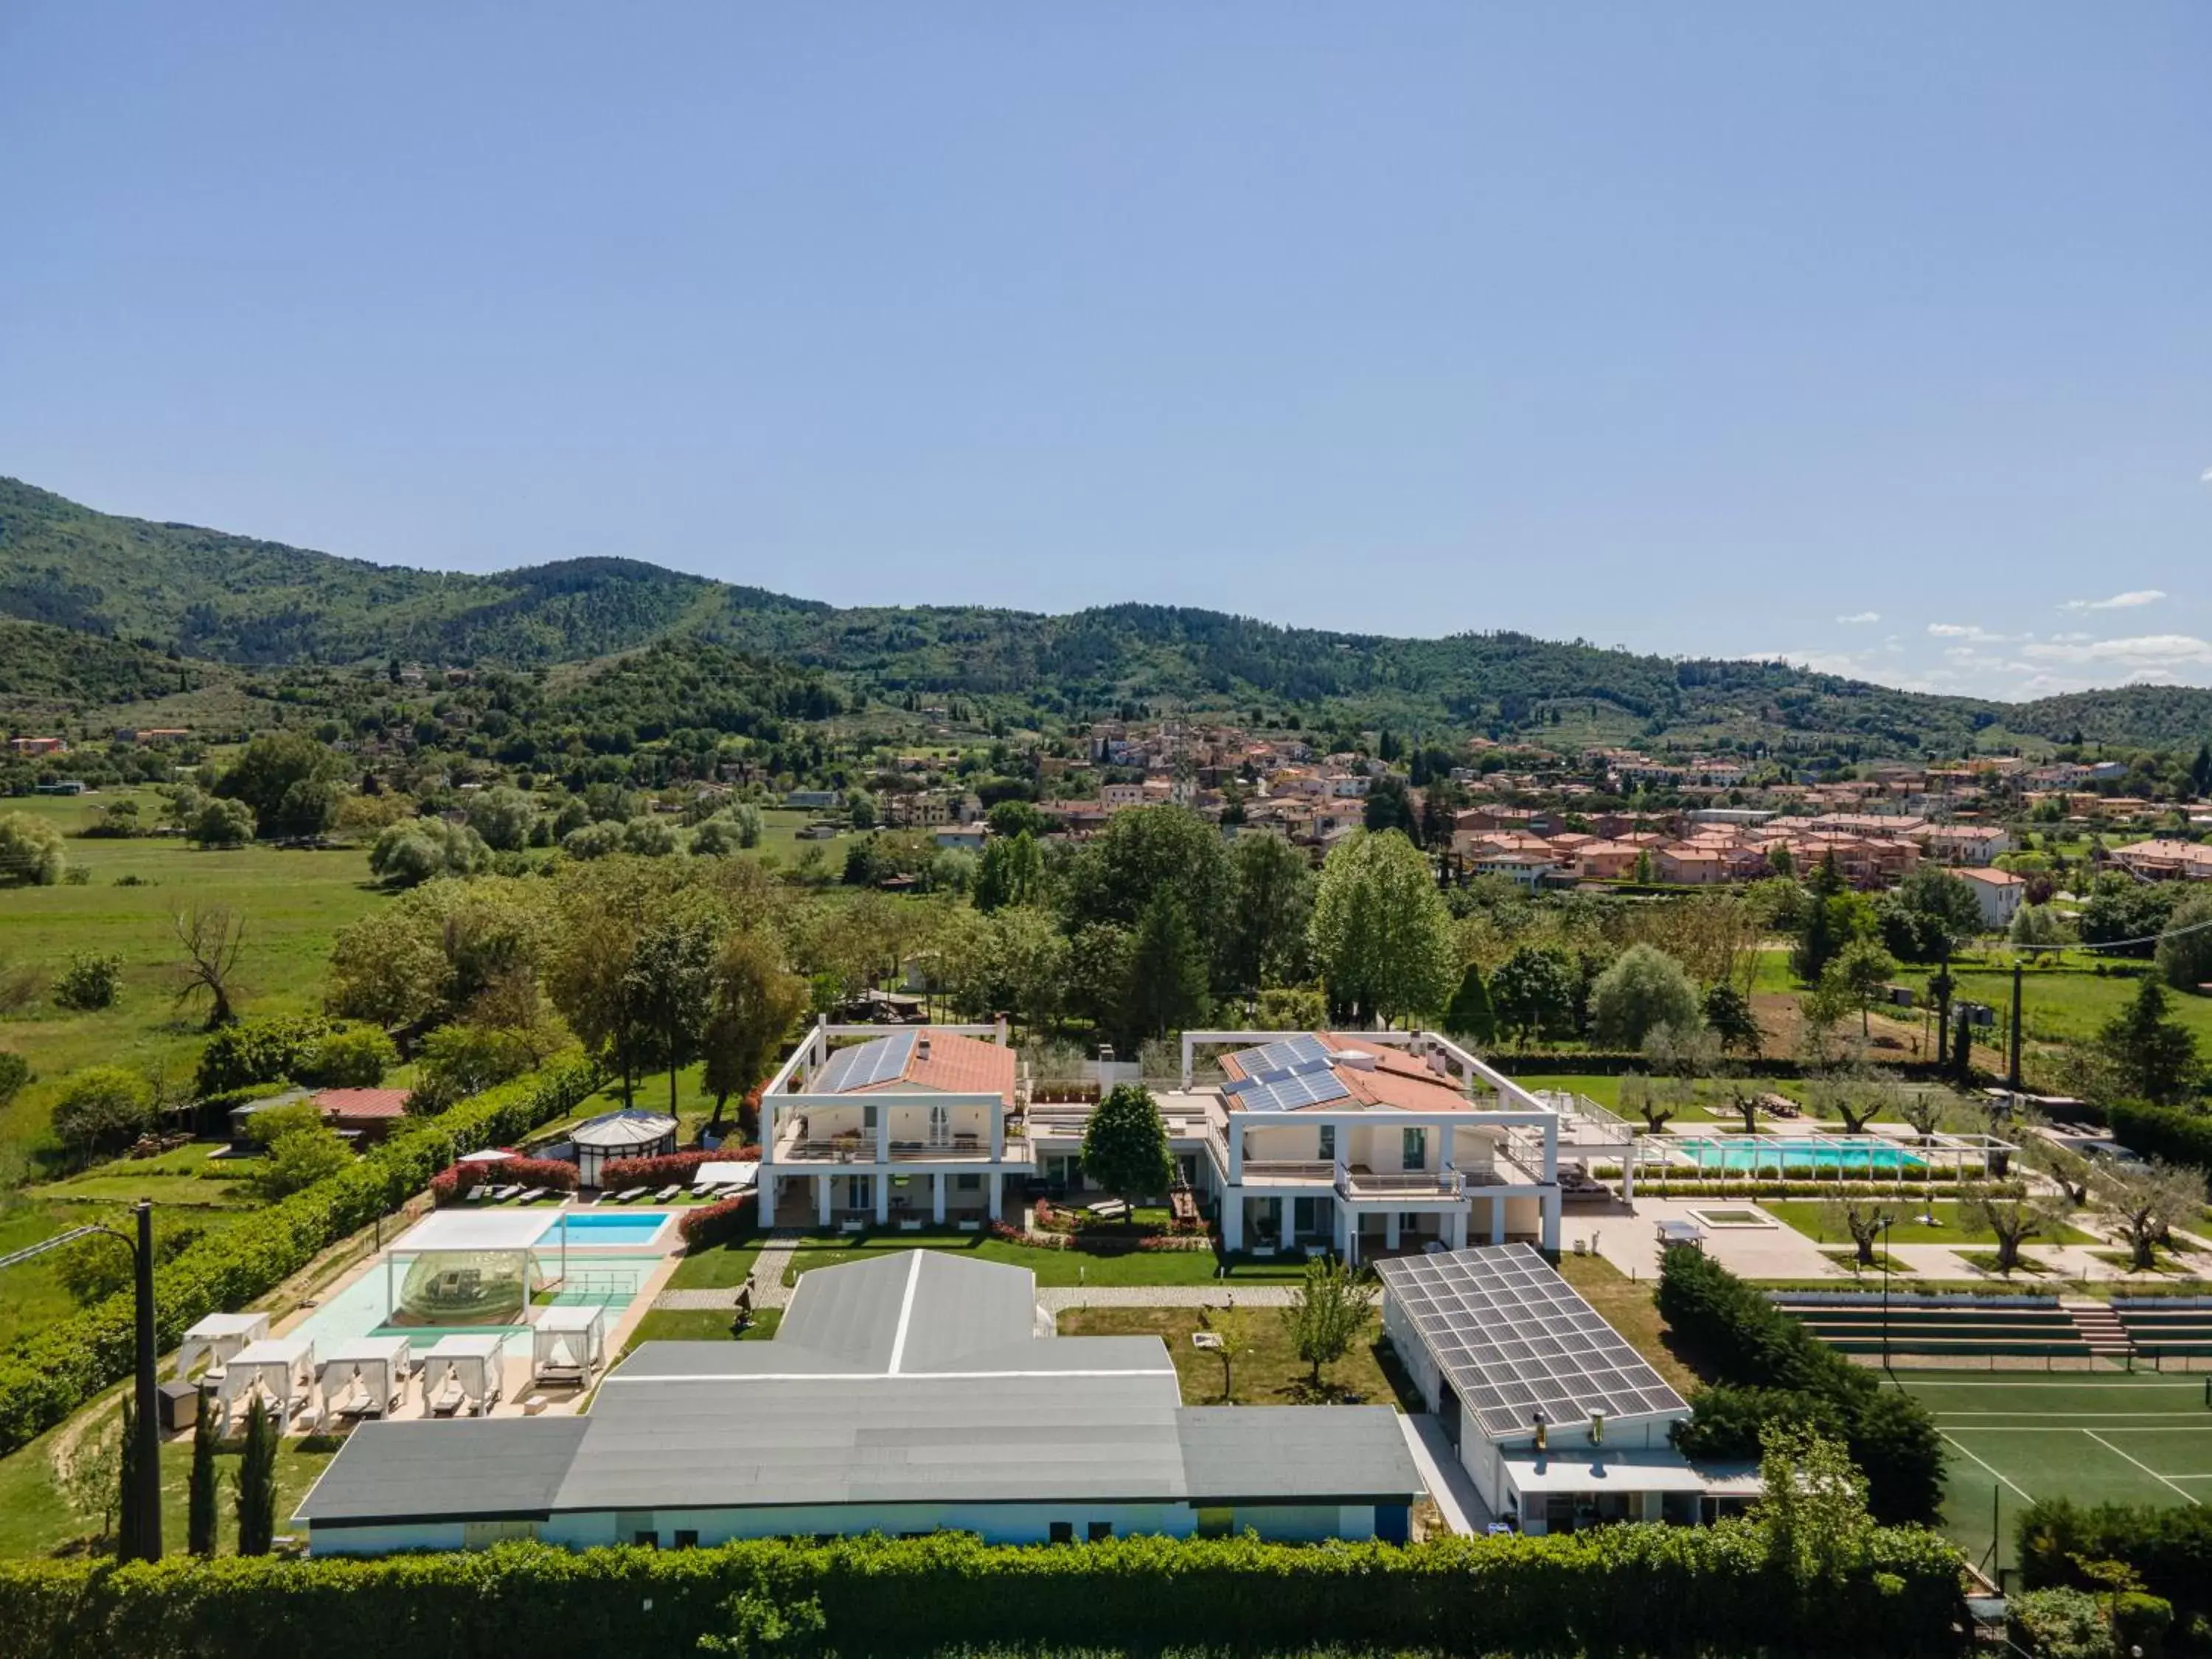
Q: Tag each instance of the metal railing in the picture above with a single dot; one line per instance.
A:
(1425, 1183)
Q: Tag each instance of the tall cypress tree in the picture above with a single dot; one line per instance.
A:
(1471, 1015)
(130, 1518)
(257, 1483)
(200, 1500)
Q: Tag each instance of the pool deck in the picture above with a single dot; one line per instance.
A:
(518, 1398)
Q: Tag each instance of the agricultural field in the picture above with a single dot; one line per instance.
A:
(293, 904)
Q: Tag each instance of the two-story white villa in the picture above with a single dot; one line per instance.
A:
(1365, 1143)
(910, 1126)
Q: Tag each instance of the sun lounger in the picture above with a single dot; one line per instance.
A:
(631, 1195)
(503, 1193)
(666, 1194)
(449, 1398)
(531, 1196)
(475, 1194)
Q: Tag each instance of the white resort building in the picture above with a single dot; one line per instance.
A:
(1365, 1143)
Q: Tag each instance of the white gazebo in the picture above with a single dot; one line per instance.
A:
(216, 1339)
(364, 1377)
(462, 1376)
(569, 1343)
(280, 1369)
(617, 1135)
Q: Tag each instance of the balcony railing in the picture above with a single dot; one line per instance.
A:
(859, 1150)
(1410, 1184)
(1276, 1169)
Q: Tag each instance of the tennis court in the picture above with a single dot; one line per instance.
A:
(2095, 1437)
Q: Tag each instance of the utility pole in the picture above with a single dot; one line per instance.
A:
(2012, 1071)
(147, 1404)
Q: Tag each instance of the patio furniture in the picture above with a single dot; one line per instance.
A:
(505, 1192)
(569, 1344)
(463, 1374)
(530, 1195)
(364, 1377)
(216, 1338)
(277, 1369)
(667, 1193)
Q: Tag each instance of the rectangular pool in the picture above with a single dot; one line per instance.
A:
(1866, 1153)
(594, 1227)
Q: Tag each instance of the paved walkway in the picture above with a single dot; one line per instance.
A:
(1449, 1485)
(708, 1301)
(769, 1288)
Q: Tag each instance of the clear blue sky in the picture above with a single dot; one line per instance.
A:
(1694, 328)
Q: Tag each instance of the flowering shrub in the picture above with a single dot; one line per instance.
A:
(718, 1223)
(451, 1186)
(670, 1168)
(1099, 1242)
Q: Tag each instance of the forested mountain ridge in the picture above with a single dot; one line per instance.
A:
(208, 594)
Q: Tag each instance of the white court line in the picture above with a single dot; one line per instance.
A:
(1999, 1473)
(2030, 1428)
(2139, 1463)
(906, 1310)
(2094, 1417)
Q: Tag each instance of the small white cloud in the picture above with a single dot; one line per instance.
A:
(2207, 478)
(1858, 617)
(1974, 631)
(2133, 599)
(2154, 653)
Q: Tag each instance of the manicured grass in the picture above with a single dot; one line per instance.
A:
(1052, 1267)
(124, 1183)
(1809, 1216)
(1629, 1306)
(292, 903)
(34, 1519)
(2027, 1267)
(715, 1268)
(1264, 1367)
(1847, 1258)
(701, 1325)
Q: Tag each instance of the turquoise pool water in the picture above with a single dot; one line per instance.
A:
(604, 1227)
(1746, 1152)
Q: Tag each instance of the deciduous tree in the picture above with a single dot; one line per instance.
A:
(1125, 1144)
(1381, 933)
(1326, 1313)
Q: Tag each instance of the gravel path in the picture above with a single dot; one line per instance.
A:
(769, 1288)
(718, 1298)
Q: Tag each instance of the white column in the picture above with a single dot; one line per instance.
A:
(1628, 1174)
(1497, 1220)
(996, 1181)
(1236, 1152)
(1551, 1148)
(822, 1200)
(1551, 1234)
(1456, 1230)
(1390, 1231)
(881, 1181)
(883, 1134)
(1232, 1216)
(937, 1198)
(998, 1130)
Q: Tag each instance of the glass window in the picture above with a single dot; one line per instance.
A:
(1098, 1530)
(968, 1182)
(687, 1538)
(1415, 1147)
(650, 1540)
(1062, 1532)
(1328, 1142)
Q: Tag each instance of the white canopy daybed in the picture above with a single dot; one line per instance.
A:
(364, 1377)
(280, 1369)
(570, 1343)
(462, 1376)
(216, 1339)
(726, 1173)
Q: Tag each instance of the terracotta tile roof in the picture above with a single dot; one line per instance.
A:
(1397, 1082)
(957, 1065)
(363, 1103)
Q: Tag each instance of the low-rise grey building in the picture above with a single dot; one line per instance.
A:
(914, 1392)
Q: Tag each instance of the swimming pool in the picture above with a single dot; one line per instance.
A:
(1863, 1154)
(594, 1227)
(612, 1281)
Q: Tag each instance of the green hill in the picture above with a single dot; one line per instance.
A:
(199, 593)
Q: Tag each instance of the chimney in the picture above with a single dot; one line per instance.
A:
(922, 1051)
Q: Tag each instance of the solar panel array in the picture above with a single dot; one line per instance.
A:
(865, 1063)
(1287, 1088)
(1513, 1335)
(1281, 1056)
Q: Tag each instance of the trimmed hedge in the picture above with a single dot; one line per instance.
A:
(2174, 1132)
(669, 1167)
(720, 1223)
(1644, 1590)
(2171, 1549)
(450, 1186)
(49, 1373)
(1771, 1366)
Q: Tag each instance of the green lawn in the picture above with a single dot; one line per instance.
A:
(1052, 1267)
(35, 1521)
(1809, 1216)
(1264, 1368)
(715, 1268)
(292, 903)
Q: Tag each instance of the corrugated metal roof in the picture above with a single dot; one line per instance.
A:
(1295, 1453)
(478, 1468)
